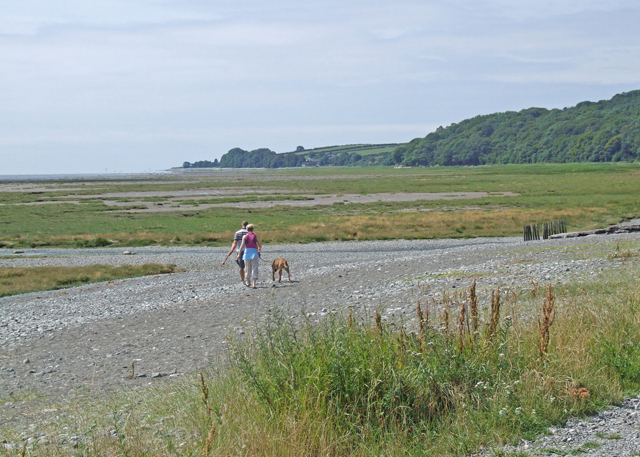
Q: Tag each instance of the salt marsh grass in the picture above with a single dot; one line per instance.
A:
(14, 281)
(431, 224)
(79, 215)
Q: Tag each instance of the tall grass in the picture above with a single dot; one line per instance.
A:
(357, 388)
(355, 385)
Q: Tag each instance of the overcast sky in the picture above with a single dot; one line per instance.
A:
(148, 84)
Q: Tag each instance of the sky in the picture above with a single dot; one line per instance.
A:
(135, 86)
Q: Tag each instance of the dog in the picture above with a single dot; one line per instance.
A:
(279, 264)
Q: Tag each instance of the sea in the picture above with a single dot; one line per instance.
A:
(82, 177)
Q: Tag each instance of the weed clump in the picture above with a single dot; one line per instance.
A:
(365, 378)
(360, 375)
(93, 243)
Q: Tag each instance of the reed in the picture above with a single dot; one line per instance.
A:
(462, 328)
(473, 309)
(206, 451)
(445, 319)
(544, 324)
(378, 321)
(205, 397)
(495, 315)
(422, 322)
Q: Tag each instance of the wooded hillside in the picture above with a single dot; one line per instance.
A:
(608, 130)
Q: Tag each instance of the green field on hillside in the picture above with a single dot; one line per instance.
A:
(362, 149)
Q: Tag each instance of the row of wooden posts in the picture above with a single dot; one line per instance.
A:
(532, 232)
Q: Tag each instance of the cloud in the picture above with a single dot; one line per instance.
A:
(205, 76)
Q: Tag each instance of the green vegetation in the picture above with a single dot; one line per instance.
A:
(354, 385)
(362, 149)
(606, 131)
(259, 158)
(542, 192)
(351, 155)
(14, 281)
(591, 445)
(201, 164)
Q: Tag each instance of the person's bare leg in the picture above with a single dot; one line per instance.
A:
(242, 274)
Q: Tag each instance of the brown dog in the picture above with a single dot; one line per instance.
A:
(279, 264)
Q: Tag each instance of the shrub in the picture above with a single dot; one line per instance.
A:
(73, 280)
(98, 242)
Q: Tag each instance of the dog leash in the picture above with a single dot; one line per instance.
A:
(260, 257)
(268, 261)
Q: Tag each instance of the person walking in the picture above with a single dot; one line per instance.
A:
(237, 240)
(252, 247)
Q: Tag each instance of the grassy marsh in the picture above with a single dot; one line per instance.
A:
(545, 192)
(21, 280)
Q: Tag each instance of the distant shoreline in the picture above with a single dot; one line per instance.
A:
(78, 176)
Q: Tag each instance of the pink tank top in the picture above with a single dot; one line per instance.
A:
(250, 241)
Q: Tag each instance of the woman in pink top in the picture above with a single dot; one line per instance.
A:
(252, 247)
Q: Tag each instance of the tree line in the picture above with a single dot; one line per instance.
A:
(266, 158)
(202, 164)
(604, 131)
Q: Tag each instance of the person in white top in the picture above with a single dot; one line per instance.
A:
(237, 241)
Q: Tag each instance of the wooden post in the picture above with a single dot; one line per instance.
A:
(543, 230)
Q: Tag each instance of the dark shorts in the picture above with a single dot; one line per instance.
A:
(241, 261)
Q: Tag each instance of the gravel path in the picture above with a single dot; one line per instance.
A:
(87, 337)
(612, 433)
